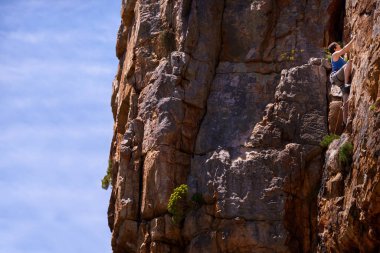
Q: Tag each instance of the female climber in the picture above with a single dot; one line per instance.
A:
(341, 72)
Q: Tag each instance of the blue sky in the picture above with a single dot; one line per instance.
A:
(57, 63)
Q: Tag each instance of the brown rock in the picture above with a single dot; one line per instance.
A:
(219, 94)
(349, 223)
(163, 229)
(127, 237)
(205, 242)
(272, 185)
(164, 170)
(229, 123)
(143, 239)
(298, 115)
(249, 236)
(335, 117)
(196, 222)
(335, 186)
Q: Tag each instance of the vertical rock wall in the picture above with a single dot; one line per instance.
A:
(200, 98)
(349, 217)
(261, 194)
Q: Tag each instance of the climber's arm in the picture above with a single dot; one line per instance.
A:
(343, 51)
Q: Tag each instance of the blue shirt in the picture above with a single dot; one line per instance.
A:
(337, 65)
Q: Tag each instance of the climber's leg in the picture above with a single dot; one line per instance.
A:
(345, 107)
(347, 72)
(346, 89)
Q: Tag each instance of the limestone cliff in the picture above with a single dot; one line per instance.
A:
(221, 95)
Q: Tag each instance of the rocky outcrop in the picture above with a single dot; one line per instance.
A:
(268, 185)
(221, 96)
(349, 202)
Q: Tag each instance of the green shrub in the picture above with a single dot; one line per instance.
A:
(177, 205)
(325, 143)
(375, 105)
(107, 179)
(345, 153)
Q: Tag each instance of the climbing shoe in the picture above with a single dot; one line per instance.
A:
(346, 88)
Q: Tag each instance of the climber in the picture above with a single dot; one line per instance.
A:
(341, 72)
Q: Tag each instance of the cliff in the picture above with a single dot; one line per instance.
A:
(349, 201)
(224, 96)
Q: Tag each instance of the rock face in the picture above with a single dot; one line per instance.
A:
(266, 186)
(222, 96)
(349, 216)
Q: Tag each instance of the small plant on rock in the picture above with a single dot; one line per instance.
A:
(107, 179)
(292, 55)
(325, 143)
(178, 205)
(345, 153)
(375, 105)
